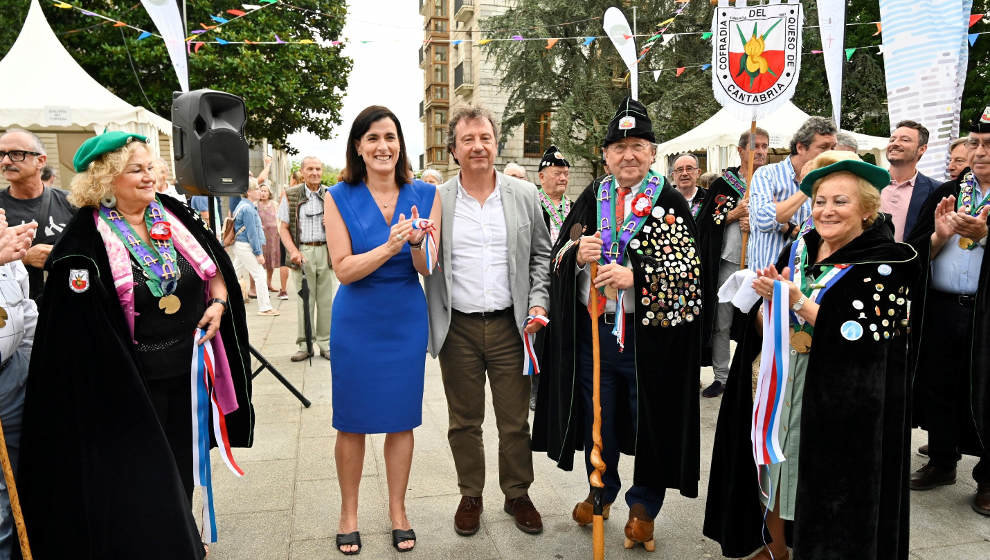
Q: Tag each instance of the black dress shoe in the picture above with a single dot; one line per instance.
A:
(981, 502)
(931, 476)
(713, 390)
(923, 450)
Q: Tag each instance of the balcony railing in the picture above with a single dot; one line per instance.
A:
(462, 78)
(463, 9)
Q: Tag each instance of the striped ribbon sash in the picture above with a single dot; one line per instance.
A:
(431, 240)
(207, 414)
(772, 381)
(531, 366)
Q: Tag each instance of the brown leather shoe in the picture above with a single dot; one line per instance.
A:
(528, 520)
(981, 502)
(584, 512)
(931, 476)
(639, 528)
(300, 356)
(467, 519)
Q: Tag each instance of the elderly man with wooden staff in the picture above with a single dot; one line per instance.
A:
(18, 317)
(639, 229)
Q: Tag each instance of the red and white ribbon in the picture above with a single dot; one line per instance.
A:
(772, 381)
(431, 240)
(531, 366)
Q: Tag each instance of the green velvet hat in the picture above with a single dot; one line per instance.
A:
(876, 176)
(101, 144)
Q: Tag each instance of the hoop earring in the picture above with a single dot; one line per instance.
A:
(109, 201)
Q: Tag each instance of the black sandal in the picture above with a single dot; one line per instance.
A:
(347, 540)
(403, 535)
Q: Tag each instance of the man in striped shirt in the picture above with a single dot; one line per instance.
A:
(777, 207)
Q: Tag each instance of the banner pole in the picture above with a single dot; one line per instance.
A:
(749, 183)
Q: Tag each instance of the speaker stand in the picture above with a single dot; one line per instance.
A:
(265, 364)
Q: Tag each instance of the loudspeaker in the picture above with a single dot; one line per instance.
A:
(211, 153)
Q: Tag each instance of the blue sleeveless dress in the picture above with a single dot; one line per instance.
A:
(379, 328)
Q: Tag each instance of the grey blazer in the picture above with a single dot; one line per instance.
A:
(529, 255)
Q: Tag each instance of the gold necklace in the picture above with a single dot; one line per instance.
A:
(392, 199)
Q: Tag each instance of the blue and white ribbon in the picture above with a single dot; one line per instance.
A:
(205, 406)
(531, 366)
(431, 240)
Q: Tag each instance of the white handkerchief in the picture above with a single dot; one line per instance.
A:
(738, 290)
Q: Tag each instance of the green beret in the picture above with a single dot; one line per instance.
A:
(101, 144)
(876, 176)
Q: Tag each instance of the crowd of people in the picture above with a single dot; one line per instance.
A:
(855, 294)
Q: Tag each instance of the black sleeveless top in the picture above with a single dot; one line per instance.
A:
(165, 342)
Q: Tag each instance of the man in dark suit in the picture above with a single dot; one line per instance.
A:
(909, 188)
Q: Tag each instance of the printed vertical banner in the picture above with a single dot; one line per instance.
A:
(925, 53)
(756, 56)
(832, 27)
(168, 20)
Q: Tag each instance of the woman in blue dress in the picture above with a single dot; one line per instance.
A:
(379, 327)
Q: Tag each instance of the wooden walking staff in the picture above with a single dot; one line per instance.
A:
(595, 478)
(749, 182)
(15, 503)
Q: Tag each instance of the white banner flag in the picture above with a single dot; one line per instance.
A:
(925, 67)
(832, 27)
(168, 20)
(617, 28)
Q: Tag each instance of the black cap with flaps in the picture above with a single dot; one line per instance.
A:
(630, 121)
(981, 124)
(553, 157)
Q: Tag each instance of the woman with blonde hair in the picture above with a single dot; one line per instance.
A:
(832, 397)
(141, 317)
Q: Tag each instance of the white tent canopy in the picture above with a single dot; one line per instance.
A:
(719, 135)
(77, 101)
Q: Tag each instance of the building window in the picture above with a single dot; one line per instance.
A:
(536, 134)
(439, 118)
(440, 73)
(439, 154)
(438, 136)
(439, 10)
(440, 25)
(440, 53)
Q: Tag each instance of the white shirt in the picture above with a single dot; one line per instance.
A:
(479, 255)
(584, 272)
(17, 332)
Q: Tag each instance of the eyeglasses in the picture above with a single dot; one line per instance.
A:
(972, 143)
(17, 155)
(636, 147)
(688, 169)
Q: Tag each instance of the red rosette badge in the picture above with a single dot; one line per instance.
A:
(161, 231)
(641, 205)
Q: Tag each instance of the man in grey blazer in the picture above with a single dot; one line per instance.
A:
(494, 258)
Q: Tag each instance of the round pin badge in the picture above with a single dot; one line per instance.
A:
(851, 330)
(884, 270)
(857, 304)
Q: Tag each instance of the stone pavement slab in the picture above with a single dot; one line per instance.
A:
(286, 507)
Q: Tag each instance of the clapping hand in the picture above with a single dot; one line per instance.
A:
(763, 285)
(416, 235)
(398, 235)
(973, 227)
(944, 213)
(15, 241)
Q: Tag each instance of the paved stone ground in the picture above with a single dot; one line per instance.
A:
(286, 506)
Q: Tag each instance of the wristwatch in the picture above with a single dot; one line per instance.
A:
(223, 302)
(799, 303)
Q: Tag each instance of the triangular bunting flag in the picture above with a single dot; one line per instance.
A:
(198, 31)
(705, 67)
(656, 75)
(221, 41)
(278, 40)
(207, 27)
(251, 7)
(816, 52)
(484, 41)
(680, 71)
(706, 35)
(668, 38)
(626, 37)
(198, 46)
(517, 37)
(63, 5)
(974, 18)
(219, 19)
(665, 22)
(120, 24)
(143, 35)
(268, 1)
(237, 13)
(972, 38)
(306, 42)
(849, 52)
(551, 43)
(457, 42)
(879, 29)
(588, 40)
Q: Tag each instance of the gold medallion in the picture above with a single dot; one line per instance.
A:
(3, 317)
(965, 243)
(800, 341)
(611, 293)
(170, 304)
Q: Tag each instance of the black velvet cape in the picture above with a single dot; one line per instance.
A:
(852, 496)
(96, 478)
(711, 220)
(973, 439)
(667, 357)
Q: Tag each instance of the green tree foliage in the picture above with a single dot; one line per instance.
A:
(286, 88)
(582, 85)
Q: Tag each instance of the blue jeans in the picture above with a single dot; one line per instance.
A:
(12, 384)
(618, 371)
